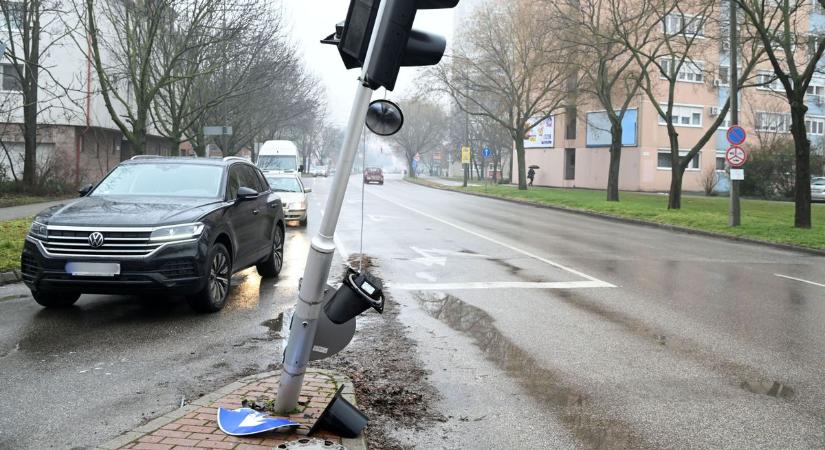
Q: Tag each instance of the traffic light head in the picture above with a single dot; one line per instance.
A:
(396, 43)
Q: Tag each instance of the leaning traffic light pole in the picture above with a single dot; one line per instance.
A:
(378, 37)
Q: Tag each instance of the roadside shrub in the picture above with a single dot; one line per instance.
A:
(709, 181)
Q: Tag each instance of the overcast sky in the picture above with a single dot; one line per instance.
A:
(310, 21)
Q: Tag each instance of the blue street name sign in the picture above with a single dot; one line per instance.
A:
(736, 135)
(486, 153)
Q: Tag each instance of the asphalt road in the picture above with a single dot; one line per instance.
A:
(554, 330)
(541, 329)
(82, 376)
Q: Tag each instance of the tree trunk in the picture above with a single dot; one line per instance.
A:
(522, 163)
(675, 198)
(410, 170)
(802, 147)
(31, 34)
(615, 161)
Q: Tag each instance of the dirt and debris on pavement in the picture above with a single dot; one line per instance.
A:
(391, 387)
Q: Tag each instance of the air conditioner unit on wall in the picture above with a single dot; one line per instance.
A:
(713, 111)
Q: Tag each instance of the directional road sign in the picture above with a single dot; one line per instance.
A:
(736, 135)
(736, 156)
(486, 153)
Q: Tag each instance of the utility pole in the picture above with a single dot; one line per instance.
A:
(734, 213)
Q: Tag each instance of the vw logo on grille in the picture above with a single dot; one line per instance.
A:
(96, 239)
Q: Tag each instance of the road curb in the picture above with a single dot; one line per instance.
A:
(626, 220)
(10, 276)
(205, 401)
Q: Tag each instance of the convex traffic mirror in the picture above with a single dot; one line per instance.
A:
(384, 118)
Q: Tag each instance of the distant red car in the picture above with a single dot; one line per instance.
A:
(373, 175)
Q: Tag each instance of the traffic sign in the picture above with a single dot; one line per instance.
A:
(736, 156)
(486, 153)
(465, 155)
(736, 135)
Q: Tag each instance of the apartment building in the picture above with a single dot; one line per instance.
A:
(572, 147)
(78, 142)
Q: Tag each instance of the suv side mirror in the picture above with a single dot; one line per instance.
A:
(301, 168)
(307, 190)
(245, 193)
(84, 191)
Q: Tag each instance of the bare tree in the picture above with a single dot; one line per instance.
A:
(32, 29)
(604, 32)
(140, 48)
(794, 51)
(687, 29)
(423, 130)
(510, 68)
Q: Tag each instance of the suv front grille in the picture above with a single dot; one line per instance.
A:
(115, 243)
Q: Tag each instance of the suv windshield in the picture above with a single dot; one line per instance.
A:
(278, 162)
(162, 180)
(283, 184)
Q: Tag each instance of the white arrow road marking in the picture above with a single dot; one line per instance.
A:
(498, 285)
(799, 279)
(428, 259)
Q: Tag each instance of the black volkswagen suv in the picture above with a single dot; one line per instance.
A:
(165, 225)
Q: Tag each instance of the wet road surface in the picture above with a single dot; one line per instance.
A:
(557, 330)
(81, 376)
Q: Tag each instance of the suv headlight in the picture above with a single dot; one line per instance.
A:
(177, 232)
(39, 230)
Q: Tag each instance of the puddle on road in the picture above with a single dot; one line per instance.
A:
(575, 409)
(769, 388)
(276, 326)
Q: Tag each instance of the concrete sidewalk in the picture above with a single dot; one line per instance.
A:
(19, 212)
(195, 424)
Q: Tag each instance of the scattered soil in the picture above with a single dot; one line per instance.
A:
(390, 385)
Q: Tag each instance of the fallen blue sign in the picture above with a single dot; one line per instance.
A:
(246, 421)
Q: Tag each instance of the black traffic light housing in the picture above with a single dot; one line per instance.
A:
(396, 44)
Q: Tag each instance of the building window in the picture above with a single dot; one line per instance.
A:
(816, 90)
(773, 122)
(768, 82)
(663, 160)
(724, 75)
(817, 7)
(684, 24)
(570, 113)
(689, 71)
(570, 164)
(815, 125)
(14, 12)
(11, 77)
(684, 116)
(720, 162)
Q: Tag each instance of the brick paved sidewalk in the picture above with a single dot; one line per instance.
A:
(195, 426)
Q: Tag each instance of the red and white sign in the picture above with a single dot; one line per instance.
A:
(736, 156)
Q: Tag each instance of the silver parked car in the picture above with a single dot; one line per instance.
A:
(293, 194)
(818, 189)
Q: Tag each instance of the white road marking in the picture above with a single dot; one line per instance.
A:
(426, 276)
(496, 241)
(499, 285)
(427, 259)
(799, 279)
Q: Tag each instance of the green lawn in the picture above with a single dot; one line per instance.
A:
(761, 219)
(12, 235)
(7, 199)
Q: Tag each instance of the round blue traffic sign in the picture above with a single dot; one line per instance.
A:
(486, 152)
(736, 135)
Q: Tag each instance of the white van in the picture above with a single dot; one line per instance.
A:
(278, 157)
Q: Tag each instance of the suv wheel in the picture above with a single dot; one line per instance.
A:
(213, 296)
(271, 267)
(51, 299)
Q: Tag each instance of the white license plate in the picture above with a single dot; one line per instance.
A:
(93, 269)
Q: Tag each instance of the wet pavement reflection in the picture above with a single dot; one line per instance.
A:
(575, 409)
